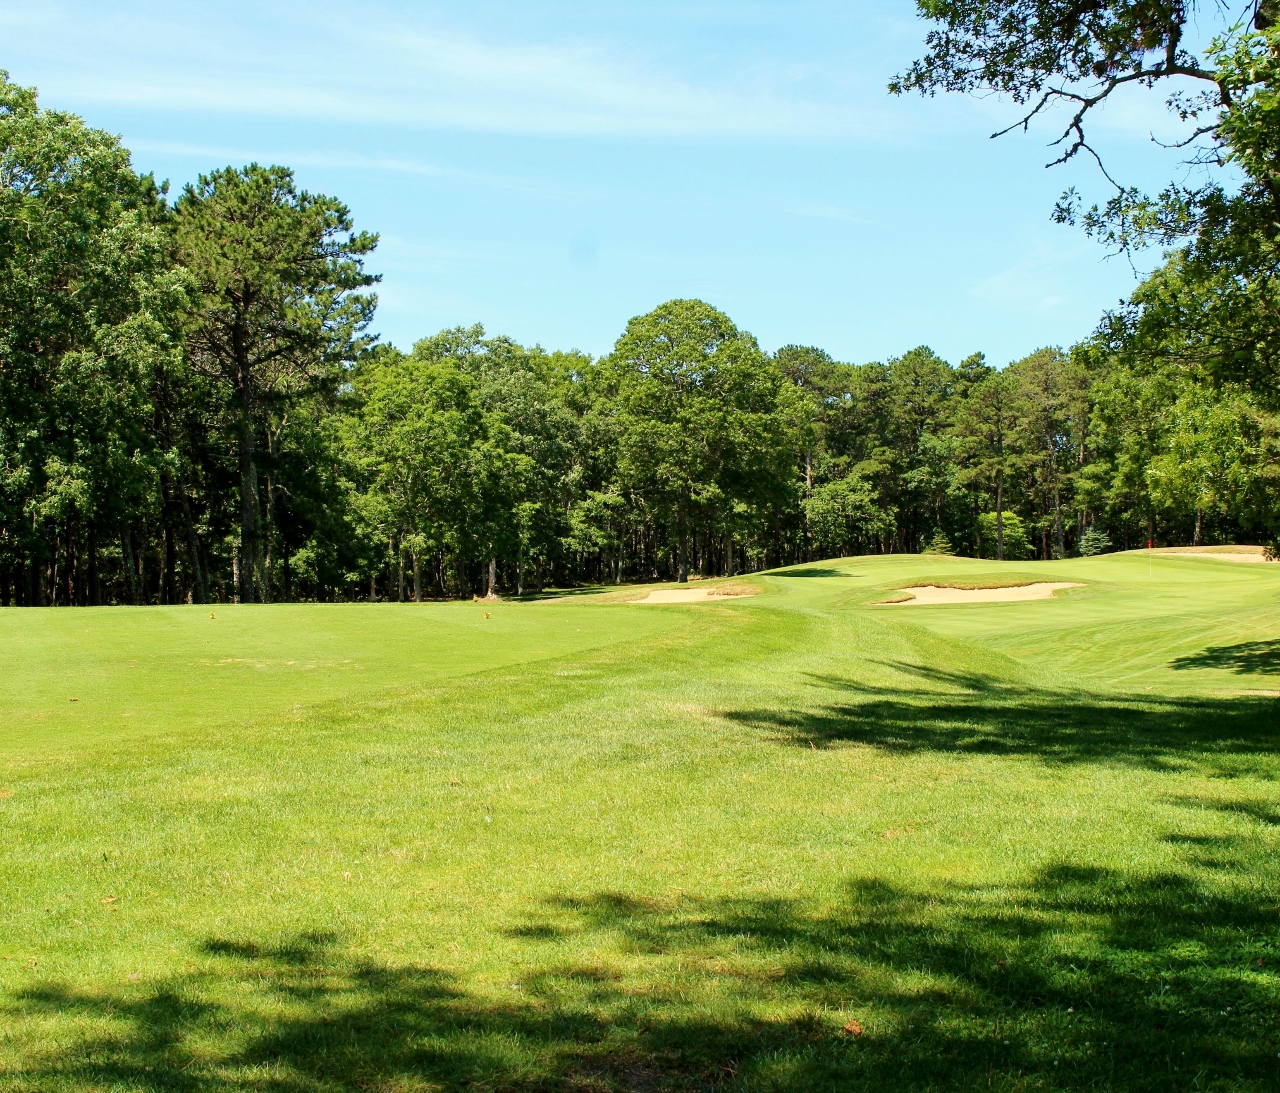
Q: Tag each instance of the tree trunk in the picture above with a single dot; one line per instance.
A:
(492, 594)
(269, 516)
(95, 578)
(373, 588)
(71, 564)
(808, 493)
(168, 567)
(193, 546)
(417, 576)
(682, 550)
(1199, 526)
(1059, 541)
(250, 552)
(268, 541)
(140, 555)
(400, 570)
(130, 567)
(1000, 515)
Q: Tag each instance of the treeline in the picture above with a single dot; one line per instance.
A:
(192, 408)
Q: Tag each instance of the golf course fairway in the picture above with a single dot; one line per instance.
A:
(807, 839)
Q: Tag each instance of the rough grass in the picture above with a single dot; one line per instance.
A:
(583, 846)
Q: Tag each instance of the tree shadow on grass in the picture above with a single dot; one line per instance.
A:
(1078, 978)
(810, 571)
(970, 713)
(1244, 658)
(562, 593)
(1260, 812)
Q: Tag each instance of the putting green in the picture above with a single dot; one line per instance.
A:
(790, 841)
(175, 669)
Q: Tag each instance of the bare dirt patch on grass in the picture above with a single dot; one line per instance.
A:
(927, 594)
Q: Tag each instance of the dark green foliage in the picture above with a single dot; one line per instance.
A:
(1210, 312)
(1094, 542)
(192, 408)
(1024, 48)
(87, 323)
(701, 420)
(1014, 547)
(276, 313)
(939, 544)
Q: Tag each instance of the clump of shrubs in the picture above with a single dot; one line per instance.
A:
(1017, 547)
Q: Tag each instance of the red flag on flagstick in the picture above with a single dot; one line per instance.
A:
(1150, 543)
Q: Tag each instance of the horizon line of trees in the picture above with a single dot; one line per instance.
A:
(193, 409)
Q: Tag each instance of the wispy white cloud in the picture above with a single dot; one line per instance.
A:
(1043, 283)
(343, 160)
(692, 181)
(337, 160)
(394, 67)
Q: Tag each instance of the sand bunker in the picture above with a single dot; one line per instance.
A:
(923, 595)
(1247, 554)
(690, 595)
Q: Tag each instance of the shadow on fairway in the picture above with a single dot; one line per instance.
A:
(959, 712)
(1081, 978)
(1260, 813)
(809, 571)
(562, 593)
(1261, 657)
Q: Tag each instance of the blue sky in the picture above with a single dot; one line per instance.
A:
(551, 169)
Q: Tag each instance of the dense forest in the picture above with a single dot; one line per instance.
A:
(194, 408)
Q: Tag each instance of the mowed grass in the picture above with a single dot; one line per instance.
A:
(798, 841)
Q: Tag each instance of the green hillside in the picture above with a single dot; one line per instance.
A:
(801, 840)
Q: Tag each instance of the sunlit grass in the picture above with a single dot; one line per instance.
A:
(596, 845)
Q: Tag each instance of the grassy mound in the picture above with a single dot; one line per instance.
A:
(787, 841)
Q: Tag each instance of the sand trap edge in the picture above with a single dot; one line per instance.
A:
(1241, 555)
(927, 595)
(691, 595)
